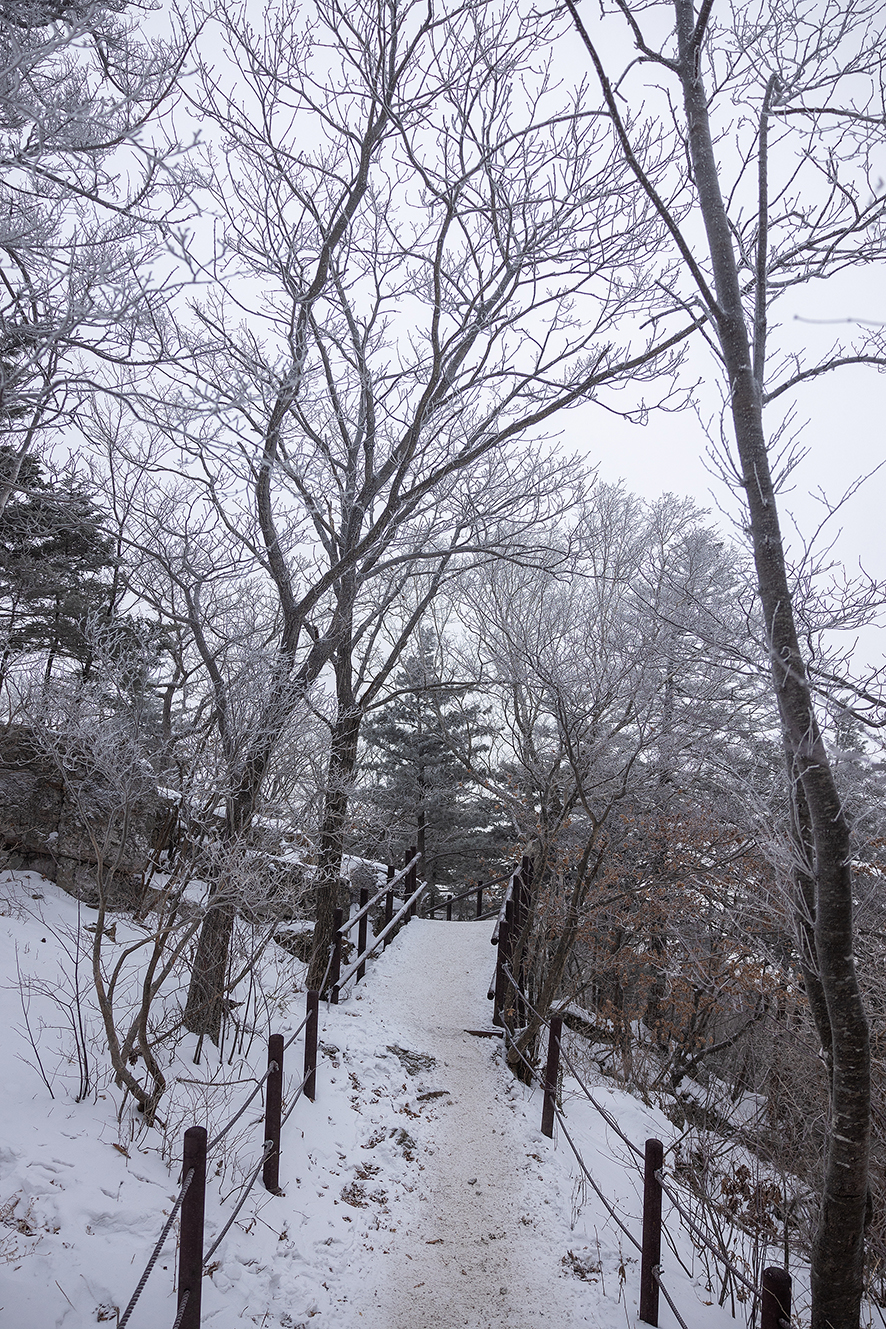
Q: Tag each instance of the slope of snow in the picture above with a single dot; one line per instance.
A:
(419, 1191)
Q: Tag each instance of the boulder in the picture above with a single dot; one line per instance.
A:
(72, 826)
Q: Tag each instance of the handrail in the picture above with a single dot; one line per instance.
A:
(508, 896)
(454, 899)
(389, 885)
(355, 964)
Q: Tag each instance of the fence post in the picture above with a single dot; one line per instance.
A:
(270, 1173)
(190, 1247)
(650, 1258)
(311, 1029)
(775, 1304)
(501, 981)
(411, 882)
(389, 905)
(361, 932)
(335, 971)
(550, 1082)
(449, 910)
(479, 898)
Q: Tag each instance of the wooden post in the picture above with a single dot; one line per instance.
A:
(273, 1111)
(479, 898)
(190, 1249)
(449, 910)
(335, 971)
(411, 882)
(552, 1066)
(361, 932)
(502, 985)
(650, 1257)
(311, 1030)
(389, 905)
(775, 1304)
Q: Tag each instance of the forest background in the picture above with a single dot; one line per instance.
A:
(295, 316)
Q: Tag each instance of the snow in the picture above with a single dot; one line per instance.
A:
(419, 1191)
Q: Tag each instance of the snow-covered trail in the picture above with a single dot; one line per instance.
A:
(474, 1252)
(418, 1191)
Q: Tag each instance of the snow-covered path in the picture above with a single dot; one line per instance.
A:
(474, 1252)
(418, 1190)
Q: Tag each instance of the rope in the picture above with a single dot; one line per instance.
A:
(578, 1156)
(718, 1254)
(697, 1232)
(156, 1252)
(291, 1040)
(656, 1274)
(268, 1147)
(237, 1115)
(607, 1117)
(581, 1163)
(298, 1094)
(182, 1306)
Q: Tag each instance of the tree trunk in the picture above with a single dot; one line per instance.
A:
(838, 1255)
(342, 761)
(205, 1006)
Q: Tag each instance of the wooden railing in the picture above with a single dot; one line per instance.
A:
(450, 900)
(357, 968)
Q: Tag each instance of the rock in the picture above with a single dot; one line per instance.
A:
(69, 824)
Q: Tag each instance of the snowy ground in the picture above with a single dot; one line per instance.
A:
(419, 1191)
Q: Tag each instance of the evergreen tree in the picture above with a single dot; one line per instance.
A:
(53, 552)
(419, 745)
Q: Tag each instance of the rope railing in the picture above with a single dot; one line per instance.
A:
(774, 1294)
(701, 1236)
(656, 1274)
(155, 1254)
(188, 1309)
(237, 1115)
(266, 1151)
(182, 1307)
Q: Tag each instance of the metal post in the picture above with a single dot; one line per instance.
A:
(335, 971)
(273, 1111)
(190, 1249)
(550, 1081)
(775, 1305)
(361, 932)
(449, 910)
(311, 1030)
(389, 905)
(479, 898)
(650, 1258)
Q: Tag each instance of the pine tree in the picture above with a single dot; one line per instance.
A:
(53, 552)
(424, 793)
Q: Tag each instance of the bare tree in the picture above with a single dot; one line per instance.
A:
(408, 223)
(616, 682)
(91, 181)
(798, 88)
